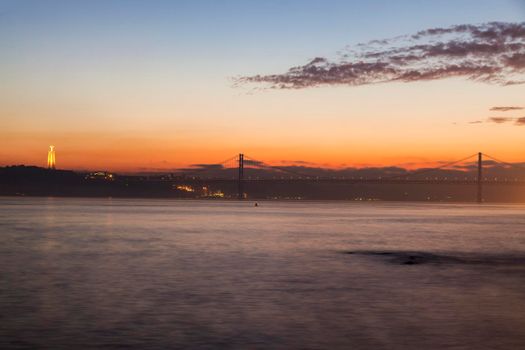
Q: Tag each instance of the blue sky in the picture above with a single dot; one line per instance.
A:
(240, 35)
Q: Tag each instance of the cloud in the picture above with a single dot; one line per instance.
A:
(196, 168)
(503, 120)
(208, 166)
(491, 168)
(492, 53)
(298, 162)
(500, 120)
(520, 121)
(506, 108)
(248, 162)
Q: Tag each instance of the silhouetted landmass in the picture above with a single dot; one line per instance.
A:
(36, 181)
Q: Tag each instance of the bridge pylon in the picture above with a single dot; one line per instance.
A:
(240, 179)
(480, 178)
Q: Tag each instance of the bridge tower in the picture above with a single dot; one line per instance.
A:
(240, 180)
(480, 179)
(51, 160)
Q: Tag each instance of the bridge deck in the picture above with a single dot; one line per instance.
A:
(350, 181)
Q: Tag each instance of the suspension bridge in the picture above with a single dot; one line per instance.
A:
(239, 165)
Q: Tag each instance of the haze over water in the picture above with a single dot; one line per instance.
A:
(106, 273)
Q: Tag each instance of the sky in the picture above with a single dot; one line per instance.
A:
(152, 85)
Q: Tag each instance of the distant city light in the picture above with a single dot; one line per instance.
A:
(100, 175)
(185, 188)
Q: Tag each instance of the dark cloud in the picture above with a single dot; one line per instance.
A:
(299, 162)
(196, 168)
(520, 121)
(500, 120)
(248, 162)
(506, 108)
(503, 120)
(208, 166)
(492, 53)
(467, 169)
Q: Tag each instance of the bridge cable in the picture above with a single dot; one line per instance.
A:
(423, 171)
(503, 162)
(274, 167)
(417, 172)
(200, 170)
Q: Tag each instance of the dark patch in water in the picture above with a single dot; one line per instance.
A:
(419, 258)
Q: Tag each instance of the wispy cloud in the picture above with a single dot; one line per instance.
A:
(491, 53)
(500, 120)
(252, 162)
(506, 108)
(194, 168)
(504, 120)
(520, 121)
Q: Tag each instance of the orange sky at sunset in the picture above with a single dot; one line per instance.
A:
(398, 124)
(160, 101)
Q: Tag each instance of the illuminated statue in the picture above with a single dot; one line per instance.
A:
(51, 161)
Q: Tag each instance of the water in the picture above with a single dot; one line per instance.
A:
(158, 274)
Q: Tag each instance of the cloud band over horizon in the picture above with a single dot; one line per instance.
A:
(502, 120)
(492, 53)
(506, 108)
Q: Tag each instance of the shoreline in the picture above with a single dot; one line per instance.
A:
(267, 200)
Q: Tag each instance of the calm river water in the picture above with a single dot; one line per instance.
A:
(160, 274)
